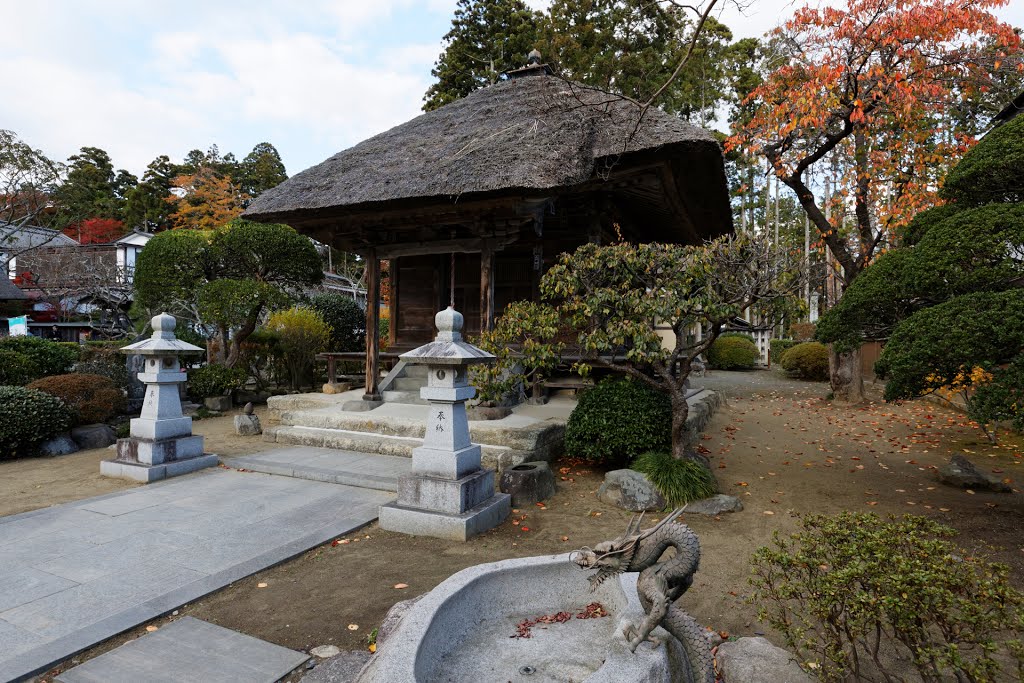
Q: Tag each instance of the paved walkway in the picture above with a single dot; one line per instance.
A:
(74, 575)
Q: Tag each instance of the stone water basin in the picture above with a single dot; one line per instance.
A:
(461, 631)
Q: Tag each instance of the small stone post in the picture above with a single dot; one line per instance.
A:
(161, 443)
(447, 494)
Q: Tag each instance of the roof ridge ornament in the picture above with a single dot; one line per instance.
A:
(533, 67)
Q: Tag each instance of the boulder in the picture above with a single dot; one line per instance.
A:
(337, 387)
(93, 436)
(529, 483)
(630, 490)
(488, 413)
(62, 444)
(341, 668)
(962, 473)
(715, 505)
(218, 403)
(755, 660)
(248, 425)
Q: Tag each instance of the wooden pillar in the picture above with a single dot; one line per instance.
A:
(372, 331)
(486, 287)
(393, 301)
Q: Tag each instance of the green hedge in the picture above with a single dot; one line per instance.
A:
(27, 418)
(16, 368)
(214, 380)
(49, 357)
(346, 318)
(778, 347)
(733, 352)
(618, 420)
(808, 360)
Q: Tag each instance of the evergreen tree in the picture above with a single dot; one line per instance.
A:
(90, 190)
(146, 205)
(261, 169)
(632, 47)
(487, 38)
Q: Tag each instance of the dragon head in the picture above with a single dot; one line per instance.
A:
(611, 558)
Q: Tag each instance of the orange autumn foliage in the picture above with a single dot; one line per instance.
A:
(205, 200)
(865, 94)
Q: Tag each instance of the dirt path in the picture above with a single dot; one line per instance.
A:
(777, 444)
(32, 483)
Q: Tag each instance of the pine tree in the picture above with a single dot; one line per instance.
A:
(487, 38)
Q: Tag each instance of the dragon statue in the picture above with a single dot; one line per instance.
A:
(659, 585)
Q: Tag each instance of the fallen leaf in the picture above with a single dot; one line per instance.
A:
(353, 627)
(373, 647)
(401, 585)
(150, 629)
(261, 585)
(768, 512)
(565, 538)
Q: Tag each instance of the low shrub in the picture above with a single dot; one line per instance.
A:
(113, 369)
(16, 369)
(301, 334)
(777, 347)
(843, 586)
(808, 360)
(91, 398)
(737, 335)
(51, 358)
(347, 320)
(27, 418)
(678, 480)
(618, 420)
(733, 352)
(214, 380)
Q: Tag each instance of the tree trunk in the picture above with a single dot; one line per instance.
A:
(846, 376)
(680, 433)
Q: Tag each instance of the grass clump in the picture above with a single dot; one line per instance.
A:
(679, 481)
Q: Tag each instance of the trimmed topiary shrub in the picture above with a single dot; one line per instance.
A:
(347, 320)
(807, 361)
(51, 358)
(733, 352)
(618, 420)
(16, 369)
(778, 347)
(843, 585)
(678, 481)
(27, 418)
(214, 380)
(91, 398)
(737, 335)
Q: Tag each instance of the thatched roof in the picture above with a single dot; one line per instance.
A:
(10, 291)
(526, 135)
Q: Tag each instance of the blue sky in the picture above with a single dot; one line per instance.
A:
(143, 78)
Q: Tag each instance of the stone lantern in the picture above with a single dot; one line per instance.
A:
(447, 494)
(161, 443)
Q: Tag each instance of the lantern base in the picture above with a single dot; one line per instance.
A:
(150, 473)
(419, 522)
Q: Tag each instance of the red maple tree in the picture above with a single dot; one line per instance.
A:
(96, 230)
(865, 96)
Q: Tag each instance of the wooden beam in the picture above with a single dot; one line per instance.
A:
(487, 287)
(393, 251)
(393, 302)
(372, 327)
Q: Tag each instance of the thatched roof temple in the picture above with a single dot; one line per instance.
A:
(517, 172)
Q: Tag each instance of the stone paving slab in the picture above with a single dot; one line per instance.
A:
(74, 575)
(367, 470)
(189, 649)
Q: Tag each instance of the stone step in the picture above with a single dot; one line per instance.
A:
(410, 397)
(514, 432)
(492, 457)
(408, 384)
(365, 470)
